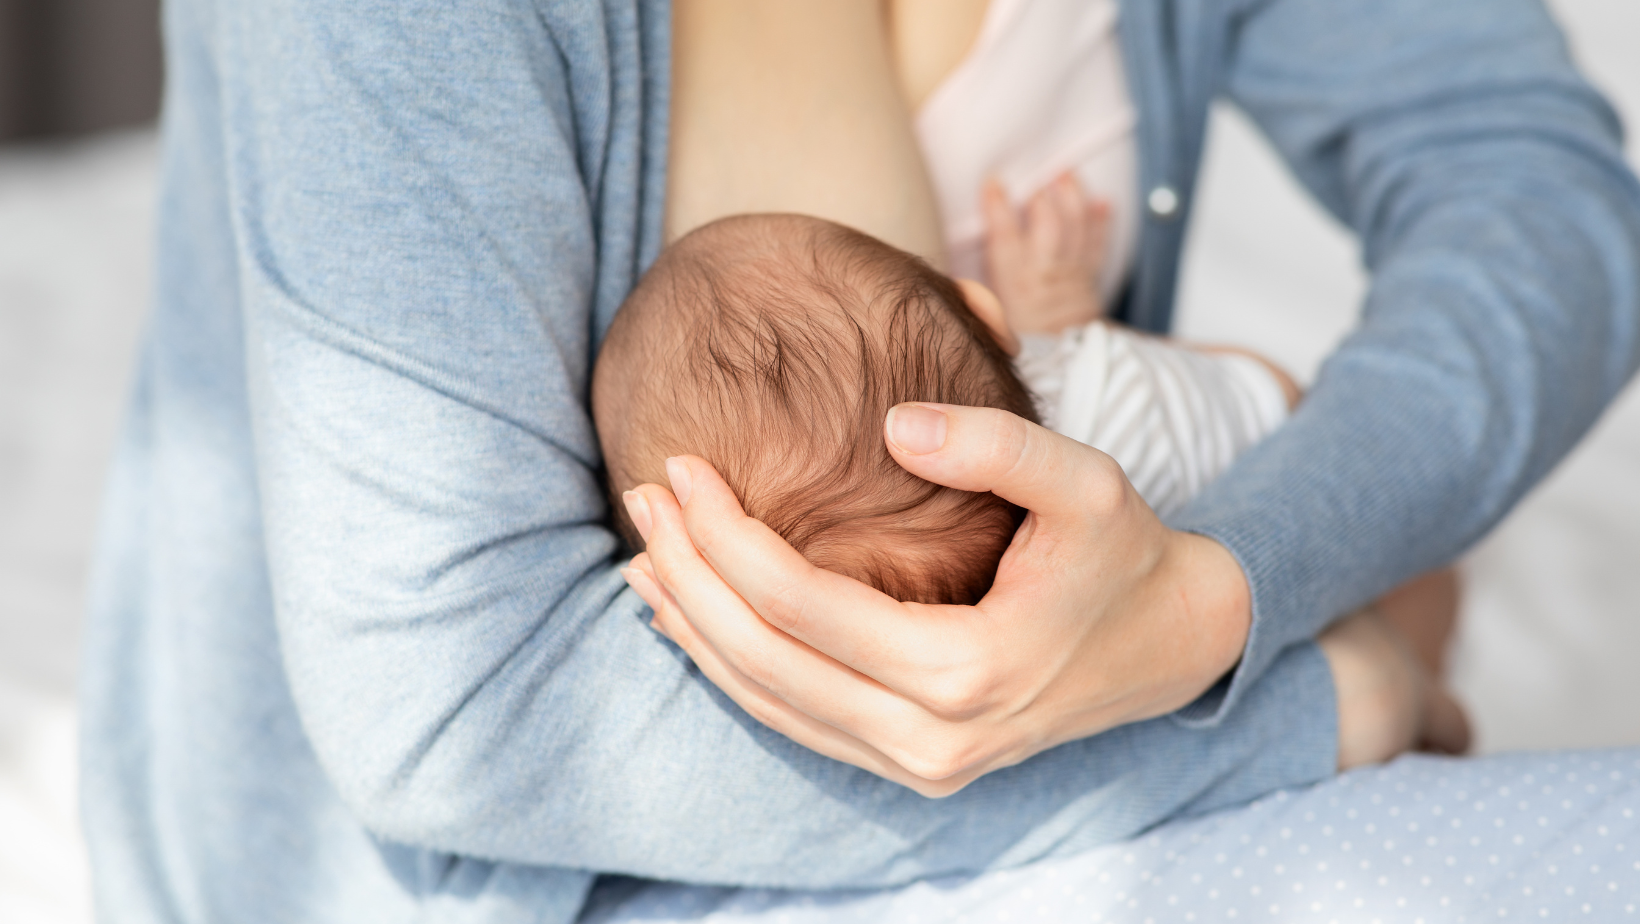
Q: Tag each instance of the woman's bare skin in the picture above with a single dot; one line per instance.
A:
(929, 38)
(781, 107)
(764, 93)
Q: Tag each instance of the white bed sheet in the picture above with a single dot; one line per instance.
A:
(1551, 622)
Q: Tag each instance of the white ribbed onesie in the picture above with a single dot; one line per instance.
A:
(1174, 418)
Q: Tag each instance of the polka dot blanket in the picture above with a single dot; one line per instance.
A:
(1543, 837)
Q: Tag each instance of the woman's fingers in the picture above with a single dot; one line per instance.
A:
(716, 610)
(819, 703)
(770, 575)
(985, 449)
(641, 578)
(769, 709)
(925, 653)
(773, 578)
(784, 666)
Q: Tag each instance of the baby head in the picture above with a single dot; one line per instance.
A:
(774, 346)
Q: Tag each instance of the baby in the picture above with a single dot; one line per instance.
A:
(774, 346)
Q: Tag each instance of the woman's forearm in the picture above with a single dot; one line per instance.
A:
(1501, 228)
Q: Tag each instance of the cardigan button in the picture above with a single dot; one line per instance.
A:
(1163, 202)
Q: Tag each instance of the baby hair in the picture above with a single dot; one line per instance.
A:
(774, 346)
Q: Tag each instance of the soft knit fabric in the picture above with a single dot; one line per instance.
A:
(357, 649)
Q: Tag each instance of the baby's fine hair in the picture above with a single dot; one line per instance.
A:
(774, 346)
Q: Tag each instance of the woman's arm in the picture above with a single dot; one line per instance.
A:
(436, 208)
(1501, 228)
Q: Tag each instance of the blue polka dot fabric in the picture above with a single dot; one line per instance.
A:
(1540, 837)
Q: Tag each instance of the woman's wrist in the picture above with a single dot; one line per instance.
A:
(1214, 592)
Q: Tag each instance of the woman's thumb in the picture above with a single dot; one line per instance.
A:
(986, 449)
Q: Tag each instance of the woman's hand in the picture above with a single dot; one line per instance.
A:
(1099, 615)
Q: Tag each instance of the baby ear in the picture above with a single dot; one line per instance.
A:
(988, 308)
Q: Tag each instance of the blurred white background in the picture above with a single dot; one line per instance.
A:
(1550, 637)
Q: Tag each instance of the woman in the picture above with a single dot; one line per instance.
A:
(358, 648)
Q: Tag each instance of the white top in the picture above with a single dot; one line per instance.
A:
(1041, 92)
(1173, 418)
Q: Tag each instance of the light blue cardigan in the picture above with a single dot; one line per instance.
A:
(357, 650)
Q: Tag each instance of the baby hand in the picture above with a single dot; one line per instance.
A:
(1045, 261)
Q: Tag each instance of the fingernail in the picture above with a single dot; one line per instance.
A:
(678, 472)
(916, 429)
(638, 509)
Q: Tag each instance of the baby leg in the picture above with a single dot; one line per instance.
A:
(1425, 611)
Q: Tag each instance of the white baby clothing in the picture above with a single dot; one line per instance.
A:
(1174, 418)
